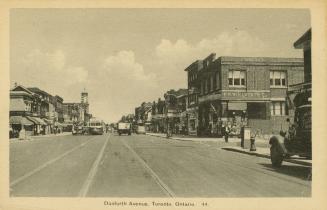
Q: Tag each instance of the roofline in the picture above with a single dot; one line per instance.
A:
(27, 90)
(195, 62)
(298, 44)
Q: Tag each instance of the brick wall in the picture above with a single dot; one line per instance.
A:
(272, 126)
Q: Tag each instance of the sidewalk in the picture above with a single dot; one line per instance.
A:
(205, 139)
(29, 138)
(265, 153)
(262, 146)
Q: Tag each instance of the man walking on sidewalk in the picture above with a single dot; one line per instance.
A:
(227, 131)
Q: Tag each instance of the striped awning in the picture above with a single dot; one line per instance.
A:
(49, 122)
(36, 120)
(19, 120)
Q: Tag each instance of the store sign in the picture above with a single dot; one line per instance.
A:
(235, 95)
(245, 95)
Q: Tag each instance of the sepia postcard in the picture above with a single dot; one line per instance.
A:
(163, 105)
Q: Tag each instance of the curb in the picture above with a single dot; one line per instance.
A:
(173, 138)
(267, 156)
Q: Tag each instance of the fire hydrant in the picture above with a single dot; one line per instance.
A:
(252, 146)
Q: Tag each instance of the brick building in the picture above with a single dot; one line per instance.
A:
(193, 87)
(245, 91)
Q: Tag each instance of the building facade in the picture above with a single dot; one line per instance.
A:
(193, 87)
(158, 116)
(238, 91)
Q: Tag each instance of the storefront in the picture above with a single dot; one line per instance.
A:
(192, 121)
(233, 109)
(39, 125)
(16, 123)
(49, 126)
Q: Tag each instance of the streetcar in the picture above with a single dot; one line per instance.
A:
(96, 126)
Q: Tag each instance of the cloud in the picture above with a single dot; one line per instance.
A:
(174, 57)
(120, 85)
(124, 65)
(239, 43)
(51, 69)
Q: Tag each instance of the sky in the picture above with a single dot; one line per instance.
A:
(123, 57)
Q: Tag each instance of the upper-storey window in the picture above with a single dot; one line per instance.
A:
(277, 78)
(236, 78)
(211, 83)
(217, 80)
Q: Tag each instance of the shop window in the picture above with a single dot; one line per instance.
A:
(277, 78)
(277, 108)
(236, 78)
(256, 110)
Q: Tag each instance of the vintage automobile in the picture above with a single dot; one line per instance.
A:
(296, 140)
(77, 129)
(124, 128)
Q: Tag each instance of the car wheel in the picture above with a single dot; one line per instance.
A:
(276, 155)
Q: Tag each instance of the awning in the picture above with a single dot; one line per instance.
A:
(237, 106)
(36, 120)
(49, 122)
(58, 124)
(19, 120)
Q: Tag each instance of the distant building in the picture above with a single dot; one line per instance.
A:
(77, 112)
(158, 116)
(175, 110)
(36, 106)
(193, 87)
(59, 108)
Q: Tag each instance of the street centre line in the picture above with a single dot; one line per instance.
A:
(161, 184)
(89, 180)
(25, 176)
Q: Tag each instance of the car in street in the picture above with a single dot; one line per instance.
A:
(124, 128)
(77, 130)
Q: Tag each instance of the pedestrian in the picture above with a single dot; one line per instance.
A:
(22, 134)
(227, 131)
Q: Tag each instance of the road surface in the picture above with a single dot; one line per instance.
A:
(144, 166)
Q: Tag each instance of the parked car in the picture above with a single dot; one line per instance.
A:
(297, 139)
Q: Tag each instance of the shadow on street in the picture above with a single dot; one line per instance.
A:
(303, 172)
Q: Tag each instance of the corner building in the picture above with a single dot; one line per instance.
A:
(250, 91)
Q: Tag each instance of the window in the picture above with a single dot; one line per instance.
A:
(211, 83)
(217, 80)
(236, 78)
(278, 78)
(205, 86)
(277, 108)
(256, 110)
(202, 91)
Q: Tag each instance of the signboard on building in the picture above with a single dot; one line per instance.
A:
(249, 95)
(236, 95)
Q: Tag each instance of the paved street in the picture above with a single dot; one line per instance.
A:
(145, 166)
